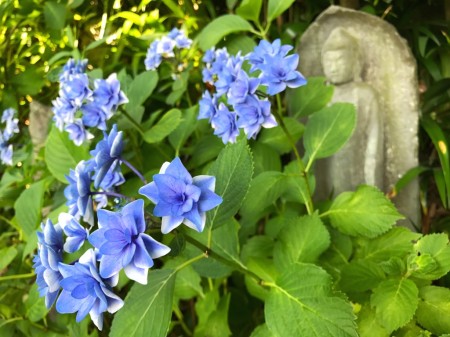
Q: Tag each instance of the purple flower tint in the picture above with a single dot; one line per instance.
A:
(78, 192)
(108, 95)
(106, 153)
(50, 250)
(181, 40)
(165, 47)
(153, 58)
(228, 74)
(76, 89)
(225, 125)
(122, 243)
(77, 132)
(8, 114)
(76, 234)
(113, 177)
(64, 112)
(264, 49)
(6, 154)
(241, 87)
(208, 106)
(179, 198)
(254, 114)
(95, 115)
(279, 72)
(72, 67)
(209, 56)
(84, 291)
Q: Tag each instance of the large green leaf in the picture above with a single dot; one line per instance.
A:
(262, 331)
(277, 7)
(277, 139)
(55, 15)
(148, 308)
(187, 283)
(301, 240)
(368, 325)
(329, 129)
(433, 311)
(233, 170)
(301, 303)
(432, 259)
(359, 276)
(7, 254)
(169, 122)
(250, 9)
(365, 212)
(309, 98)
(138, 91)
(35, 305)
(395, 301)
(28, 82)
(217, 324)
(220, 27)
(61, 154)
(186, 126)
(28, 207)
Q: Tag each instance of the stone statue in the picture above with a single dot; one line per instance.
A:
(371, 66)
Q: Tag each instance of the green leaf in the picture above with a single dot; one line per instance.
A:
(35, 308)
(265, 189)
(398, 242)
(277, 139)
(148, 308)
(240, 43)
(307, 99)
(61, 154)
(365, 212)
(434, 309)
(265, 158)
(175, 8)
(187, 283)
(329, 129)
(301, 303)
(250, 9)
(220, 27)
(187, 125)
(55, 15)
(233, 170)
(277, 7)
(436, 247)
(262, 331)
(303, 239)
(368, 325)
(359, 276)
(28, 207)
(138, 91)
(28, 82)
(7, 254)
(169, 122)
(395, 301)
(297, 189)
(217, 325)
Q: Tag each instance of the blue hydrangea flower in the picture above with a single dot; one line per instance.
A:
(12, 124)
(77, 132)
(76, 234)
(107, 94)
(78, 192)
(106, 153)
(84, 291)
(122, 243)
(208, 106)
(179, 198)
(64, 112)
(181, 40)
(242, 86)
(265, 49)
(279, 72)
(76, 89)
(8, 114)
(165, 47)
(6, 154)
(113, 178)
(224, 123)
(153, 59)
(254, 114)
(49, 255)
(95, 115)
(72, 67)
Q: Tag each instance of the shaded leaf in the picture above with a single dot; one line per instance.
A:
(169, 122)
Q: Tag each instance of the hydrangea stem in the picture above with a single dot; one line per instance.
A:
(15, 277)
(304, 174)
(132, 168)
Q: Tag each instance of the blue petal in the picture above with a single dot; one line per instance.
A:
(208, 200)
(151, 192)
(112, 247)
(137, 274)
(205, 182)
(80, 291)
(153, 247)
(170, 222)
(97, 238)
(136, 209)
(170, 188)
(194, 216)
(162, 209)
(85, 307)
(109, 266)
(142, 258)
(177, 170)
(108, 219)
(66, 304)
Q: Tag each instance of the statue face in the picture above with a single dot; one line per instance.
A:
(338, 66)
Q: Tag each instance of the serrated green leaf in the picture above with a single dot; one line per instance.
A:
(61, 154)
(365, 212)
(169, 122)
(276, 138)
(250, 9)
(329, 129)
(307, 99)
(437, 247)
(265, 158)
(434, 309)
(266, 270)
(395, 301)
(220, 27)
(307, 308)
(28, 207)
(148, 308)
(297, 189)
(338, 254)
(55, 15)
(7, 254)
(233, 170)
(359, 276)
(303, 239)
(277, 7)
(368, 325)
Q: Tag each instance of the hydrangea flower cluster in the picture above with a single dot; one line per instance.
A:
(165, 48)
(78, 106)
(11, 126)
(117, 238)
(238, 101)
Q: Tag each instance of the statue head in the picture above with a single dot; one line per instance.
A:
(340, 57)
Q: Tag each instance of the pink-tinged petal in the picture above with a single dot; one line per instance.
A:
(137, 274)
(169, 223)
